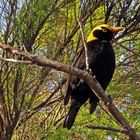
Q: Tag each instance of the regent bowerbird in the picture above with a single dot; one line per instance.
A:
(101, 60)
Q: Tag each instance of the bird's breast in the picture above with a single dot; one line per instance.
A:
(103, 66)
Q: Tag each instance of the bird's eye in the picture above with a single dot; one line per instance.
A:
(104, 30)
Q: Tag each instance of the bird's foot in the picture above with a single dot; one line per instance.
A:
(89, 71)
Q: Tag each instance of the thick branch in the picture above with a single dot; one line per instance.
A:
(91, 81)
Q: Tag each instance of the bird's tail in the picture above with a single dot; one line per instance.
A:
(70, 118)
(92, 107)
(93, 104)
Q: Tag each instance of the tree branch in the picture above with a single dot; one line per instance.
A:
(85, 46)
(107, 128)
(16, 61)
(91, 81)
(133, 52)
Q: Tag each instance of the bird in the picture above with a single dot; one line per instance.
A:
(101, 60)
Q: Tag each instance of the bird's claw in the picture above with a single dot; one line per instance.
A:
(89, 71)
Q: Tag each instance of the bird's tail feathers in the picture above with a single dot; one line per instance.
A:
(70, 118)
(66, 99)
(92, 108)
(93, 104)
(68, 91)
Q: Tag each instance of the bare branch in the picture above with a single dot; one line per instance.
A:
(85, 45)
(107, 128)
(16, 61)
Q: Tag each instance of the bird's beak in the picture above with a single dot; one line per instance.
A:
(117, 29)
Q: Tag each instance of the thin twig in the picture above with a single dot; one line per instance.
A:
(126, 48)
(15, 61)
(107, 128)
(85, 45)
(106, 111)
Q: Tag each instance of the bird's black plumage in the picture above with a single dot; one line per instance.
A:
(102, 64)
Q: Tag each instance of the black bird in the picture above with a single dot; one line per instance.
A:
(101, 59)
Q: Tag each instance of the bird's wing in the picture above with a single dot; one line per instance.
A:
(79, 62)
(68, 87)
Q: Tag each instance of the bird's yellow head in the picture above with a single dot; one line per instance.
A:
(103, 32)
